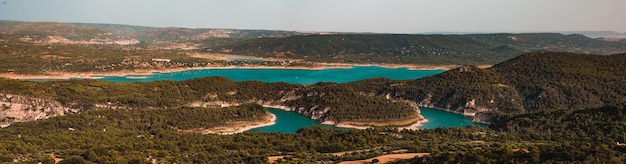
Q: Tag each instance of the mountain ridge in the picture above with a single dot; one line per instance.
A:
(473, 49)
(530, 82)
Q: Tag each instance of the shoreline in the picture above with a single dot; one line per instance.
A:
(235, 129)
(147, 72)
(412, 126)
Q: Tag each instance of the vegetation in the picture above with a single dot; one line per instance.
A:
(555, 136)
(39, 30)
(348, 104)
(22, 57)
(153, 35)
(125, 135)
(530, 82)
(543, 107)
(474, 49)
(86, 94)
(468, 49)
(28, 58)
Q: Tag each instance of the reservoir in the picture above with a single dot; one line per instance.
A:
(293, 76)
(290, 122)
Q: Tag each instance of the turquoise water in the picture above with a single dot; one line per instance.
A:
(439, 118)
(288, 122)
(291, 122)
(293, 76)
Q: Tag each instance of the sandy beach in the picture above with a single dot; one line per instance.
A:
(236, 128)
(413, 126)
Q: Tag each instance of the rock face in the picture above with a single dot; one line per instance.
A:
(104, 41)
(15, 108)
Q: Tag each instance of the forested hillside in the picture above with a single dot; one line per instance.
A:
(570, 136)
(530, 82)
(472, 49)
(427, 49)
(146, 135)
(173, 34)
(44, 29)
(323, 102)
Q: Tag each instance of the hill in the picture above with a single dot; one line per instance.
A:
(558, 136)
(175, 34)
(530, 82)
(322, 101)
(420, 49)
(423, 49)
(121, 136)
(89, 33)
(543, 107)
(58, 33)
(598, 34)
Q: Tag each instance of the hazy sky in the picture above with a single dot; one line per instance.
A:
(388, 16)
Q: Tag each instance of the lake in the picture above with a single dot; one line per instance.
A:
(290, 122)
(293, 76)
(439, 118)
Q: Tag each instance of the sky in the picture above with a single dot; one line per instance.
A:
(380, 16)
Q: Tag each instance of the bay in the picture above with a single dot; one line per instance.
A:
(290, 122)
(439, 118)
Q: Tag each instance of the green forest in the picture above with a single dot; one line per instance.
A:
(19, 57)
(346, 103)
(25, 42)
(473, 49)
(530, 82)
(544, 107)
(143, 135)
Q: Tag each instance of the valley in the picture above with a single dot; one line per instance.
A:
(116, 93)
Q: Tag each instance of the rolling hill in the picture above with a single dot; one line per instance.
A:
(530, 82)
(471, 49)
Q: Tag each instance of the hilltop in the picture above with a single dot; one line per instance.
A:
(530, 82)
(178, 35)
(58, 33)
(472, 49)
(317, 47)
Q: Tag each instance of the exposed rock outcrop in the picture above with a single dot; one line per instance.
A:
(15, 108)
(104, 41)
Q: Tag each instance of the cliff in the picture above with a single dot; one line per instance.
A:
(15, 108)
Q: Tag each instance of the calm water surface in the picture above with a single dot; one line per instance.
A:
(293, 76)
(290, 122)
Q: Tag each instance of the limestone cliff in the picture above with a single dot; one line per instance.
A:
(16, 108)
